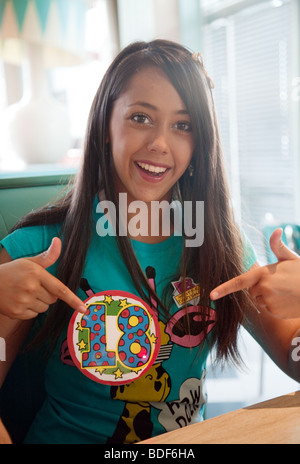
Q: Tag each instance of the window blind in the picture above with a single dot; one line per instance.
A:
(248, 56)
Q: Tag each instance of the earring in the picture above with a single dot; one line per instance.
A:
(191, 170)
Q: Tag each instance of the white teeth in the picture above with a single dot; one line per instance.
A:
(151, 168)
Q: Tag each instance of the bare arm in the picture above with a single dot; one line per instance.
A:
(13, 332)
(277, 337)
(275, 290)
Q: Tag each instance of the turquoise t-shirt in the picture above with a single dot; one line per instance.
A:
(121, 373)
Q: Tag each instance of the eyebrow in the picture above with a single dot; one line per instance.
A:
(154, 108)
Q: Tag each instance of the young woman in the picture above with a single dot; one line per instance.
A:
(133, 365)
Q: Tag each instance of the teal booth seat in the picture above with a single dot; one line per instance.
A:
(22, 194)
(22, 392)
(290, 236)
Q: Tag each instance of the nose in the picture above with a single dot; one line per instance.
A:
(158, 142)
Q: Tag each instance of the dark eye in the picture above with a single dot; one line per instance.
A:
(141, 118)
(184, 126)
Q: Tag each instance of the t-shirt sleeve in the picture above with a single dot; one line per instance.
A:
(29, 241)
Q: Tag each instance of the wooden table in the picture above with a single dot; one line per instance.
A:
(276, 421)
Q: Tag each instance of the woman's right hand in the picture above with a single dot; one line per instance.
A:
(28, 289)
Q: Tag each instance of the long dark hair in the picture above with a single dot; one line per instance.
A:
(221, 255)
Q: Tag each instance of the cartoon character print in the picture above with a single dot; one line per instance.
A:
(185, 410)
(135, 421)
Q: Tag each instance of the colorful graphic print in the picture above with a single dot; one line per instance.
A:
(135, 422)
(117, 340)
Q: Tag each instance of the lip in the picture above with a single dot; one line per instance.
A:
(149, 177)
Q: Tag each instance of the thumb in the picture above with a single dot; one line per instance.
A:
(281, 251)
(50, 256)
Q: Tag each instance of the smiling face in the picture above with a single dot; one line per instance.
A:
(150, 136)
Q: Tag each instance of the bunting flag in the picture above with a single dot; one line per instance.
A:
(57, 24)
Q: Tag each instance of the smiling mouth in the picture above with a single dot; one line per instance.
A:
(150, 169)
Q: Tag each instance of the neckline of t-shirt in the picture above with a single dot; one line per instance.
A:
(170, 242)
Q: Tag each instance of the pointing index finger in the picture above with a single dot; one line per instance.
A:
(66, 295)
(242, 282)
(61, 291)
